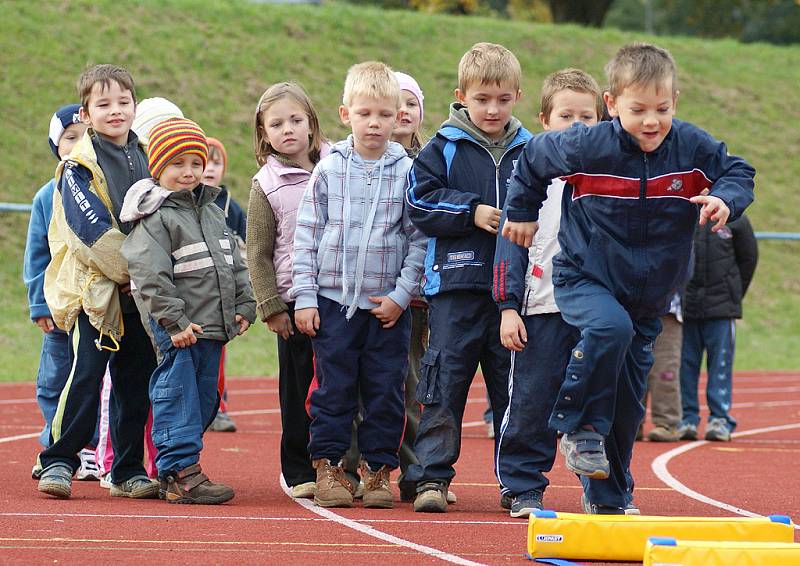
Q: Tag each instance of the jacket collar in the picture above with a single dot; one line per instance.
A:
(453, 133)
(629, 142)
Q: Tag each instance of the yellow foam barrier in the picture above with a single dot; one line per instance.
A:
(669, 552)
(624, 537)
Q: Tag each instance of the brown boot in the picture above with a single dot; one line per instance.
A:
(377, 489)
(191, 485)
(333, 488)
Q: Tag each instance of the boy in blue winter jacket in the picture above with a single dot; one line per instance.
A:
(626, 232)
(457, 187)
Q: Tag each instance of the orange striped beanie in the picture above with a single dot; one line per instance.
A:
(174, 137)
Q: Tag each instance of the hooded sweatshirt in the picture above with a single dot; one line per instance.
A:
(459, 118)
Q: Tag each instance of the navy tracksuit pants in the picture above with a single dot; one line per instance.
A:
(527, 444)
(464, 332)
(358, 357)
(606, 377)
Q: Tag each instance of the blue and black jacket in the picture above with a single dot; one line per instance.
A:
(451, 176)
(626, 219)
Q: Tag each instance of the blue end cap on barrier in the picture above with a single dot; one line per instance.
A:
(546, 514)
(663, 541)
(786, 520)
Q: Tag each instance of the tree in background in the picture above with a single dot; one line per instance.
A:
(584, 12)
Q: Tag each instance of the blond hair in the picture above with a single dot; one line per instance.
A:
(103, 74)
(372, 79)
(641, 64)
(569, 79)
(487, 63)
(295, 93)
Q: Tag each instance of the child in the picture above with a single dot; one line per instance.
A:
(357, 265)
(724, 263)
(625, 238)
(456, 189)
(288, 144)
(540, 341)
(191, 287)
(149, 113)
(87, 286)
(237, 223)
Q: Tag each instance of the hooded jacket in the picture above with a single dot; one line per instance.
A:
(184, 261)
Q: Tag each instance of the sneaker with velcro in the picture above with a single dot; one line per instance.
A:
(585, 454)
(56, 480)
(526, 503)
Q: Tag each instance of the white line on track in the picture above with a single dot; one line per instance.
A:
(19, 437)
(660, 464)
(371, 531)
(254, 412)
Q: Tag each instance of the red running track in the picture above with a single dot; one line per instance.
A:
(754, 474)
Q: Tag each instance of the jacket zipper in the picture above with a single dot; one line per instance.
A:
(497, 169)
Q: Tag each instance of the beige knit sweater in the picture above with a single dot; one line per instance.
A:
(260, 246)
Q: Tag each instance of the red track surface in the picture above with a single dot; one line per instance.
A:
(755, 473)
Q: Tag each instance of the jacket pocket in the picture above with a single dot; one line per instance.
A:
(428, 386)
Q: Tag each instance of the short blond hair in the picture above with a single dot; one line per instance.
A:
(487, 63)
(641, 64)
(569, 79)
(372, 79)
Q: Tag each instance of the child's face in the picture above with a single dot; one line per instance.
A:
(645, 112)
(490, 106)
(182, 173)
(569, 107)
(372, 121)
(214, 170)
(409, 117)
(69, 138)
(110, 111)
(285, 124)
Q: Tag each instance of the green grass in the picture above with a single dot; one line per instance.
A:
(214, 59)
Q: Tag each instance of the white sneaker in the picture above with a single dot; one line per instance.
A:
(88, 469)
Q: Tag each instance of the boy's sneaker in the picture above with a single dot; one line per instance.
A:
(718, 430)
(36, 471)
(687, 432)
(137, 487)
(632, 509)
(56, 480)
(222, 423)
(88, 469)
(592, 509)
(663, 434)
(409, 493)
(526, 503)
(333, 487)
(304, 490)
(431, 498)
(191, 485)
(506, 501)
(377, 489)
(585, 453)
(490, 430)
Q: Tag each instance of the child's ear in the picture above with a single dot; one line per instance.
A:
(675, 101)
(519, 95)
(460, 96)
(611, 104)
(543, 121)
(83, 115)
(344, 115)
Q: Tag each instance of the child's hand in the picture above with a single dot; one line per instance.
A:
(281, 324)
(513, 335)
(307, 321)
(388, 312)
(243, 323)
(521, 233)
(487, 218)
(714, 208)
(46, 324)
(186, 337)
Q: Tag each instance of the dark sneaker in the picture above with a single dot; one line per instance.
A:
(663, 434)
(718, 430)
(36, 471)
(687, 432)
(191, 485)
(56, 480)
(585, 453)
(222, 423)
(592, 509)
(431, 498)
(505, 502)
(377, 489)
(333, 487)
(138, 487)
(526, 503)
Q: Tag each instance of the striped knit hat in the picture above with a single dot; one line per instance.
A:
(172, 138)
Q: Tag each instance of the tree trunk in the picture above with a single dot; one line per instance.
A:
(584, 12)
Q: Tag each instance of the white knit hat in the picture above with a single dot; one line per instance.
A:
(149, 113)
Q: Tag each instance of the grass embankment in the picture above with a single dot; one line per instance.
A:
(214, 59)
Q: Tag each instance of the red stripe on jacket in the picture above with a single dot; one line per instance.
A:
(683, 185)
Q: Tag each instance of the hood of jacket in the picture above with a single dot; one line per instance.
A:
(146, 196)
(459, 118)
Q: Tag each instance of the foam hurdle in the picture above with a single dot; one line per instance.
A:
(624, 537)
(720, 553)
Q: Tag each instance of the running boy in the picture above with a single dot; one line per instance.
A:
(88, 292)
(626, 235)
(540, 341)
(193, 291)
(456, 189)
(357, 265)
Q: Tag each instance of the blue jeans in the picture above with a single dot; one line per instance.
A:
(54, 369)
(717, 337)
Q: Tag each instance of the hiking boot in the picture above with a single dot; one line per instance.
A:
(377, 489)
(687, 432)
(506, 501)
(718, 430)
(592, 509)
(137, 487)
(663, 434)
(304, 490)
(585, 453)
(431, 498)
(191, 485)
(88, 469)
(526, 503)
(222, 423)
(56, 480)
(333, 487)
